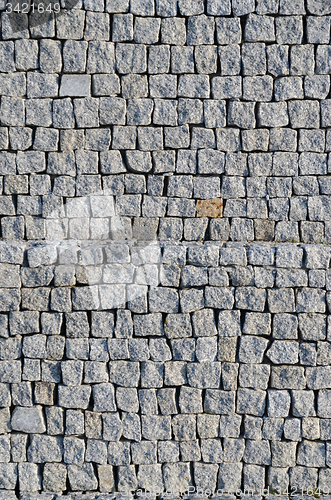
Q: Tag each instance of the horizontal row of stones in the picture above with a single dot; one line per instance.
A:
(168, 86)
(64, 113)
(168, 300)
(172, 8)
(217, 422)
(250, 397)
(96, 158)
(176, 254)
(173, 478)
(182, 196)
(190, 276)
(292, 256)
(228, 58)
(174, 326)
(187, 196)
(195, 31)
(145, 230)
(201, 351)
(229, 140)
(162, 90)
(188, 229)
(85, 164)
(91, 267)
(71, 260)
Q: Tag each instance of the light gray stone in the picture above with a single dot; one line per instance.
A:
(30, 420)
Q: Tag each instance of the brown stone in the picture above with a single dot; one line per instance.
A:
(44, 393)
(210, 208)
(264, 230)
(93, 425)
(106, 478)
(227, 348)
(81, 275)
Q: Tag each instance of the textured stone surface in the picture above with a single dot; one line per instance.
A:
(175, 384)
(165, 221)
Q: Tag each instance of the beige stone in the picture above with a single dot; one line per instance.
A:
(210, 208)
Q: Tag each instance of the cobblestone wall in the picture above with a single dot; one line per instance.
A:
(165, 279)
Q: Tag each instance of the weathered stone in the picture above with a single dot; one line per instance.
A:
(82, 477)
(28, 420)
(210, 208)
